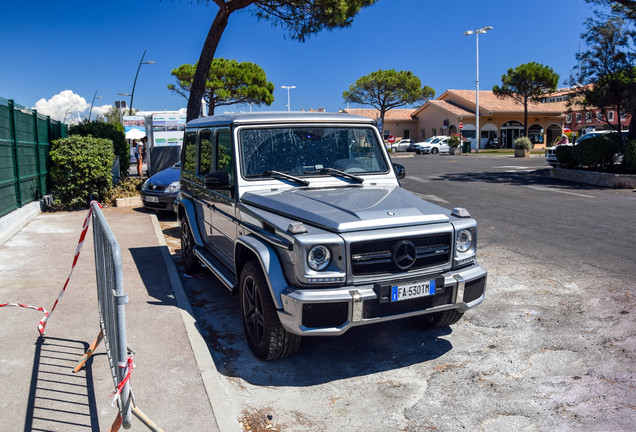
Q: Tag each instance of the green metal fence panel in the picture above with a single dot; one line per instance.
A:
(27, 156)
(25, 140)
(8, 200)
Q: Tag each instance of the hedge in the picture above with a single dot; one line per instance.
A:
(111, 131)
(81, 170)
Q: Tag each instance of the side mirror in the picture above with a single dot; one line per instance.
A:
(218, 180)
(400, 171)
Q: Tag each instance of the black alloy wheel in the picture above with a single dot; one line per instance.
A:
(264, 332)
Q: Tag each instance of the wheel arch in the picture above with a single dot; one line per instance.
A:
(185, 210)
(249, 247)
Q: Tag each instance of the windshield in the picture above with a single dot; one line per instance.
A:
(312, 151)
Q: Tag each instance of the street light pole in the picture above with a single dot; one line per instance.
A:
(288, 88)
(132, 94)
(92, 103)
(476, 32)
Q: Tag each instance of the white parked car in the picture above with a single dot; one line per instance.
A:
(433, 145)
(550, 152)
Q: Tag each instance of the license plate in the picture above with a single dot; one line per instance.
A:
(412, 290)
(151, 199)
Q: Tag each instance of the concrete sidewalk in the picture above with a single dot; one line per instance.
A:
(175, 382)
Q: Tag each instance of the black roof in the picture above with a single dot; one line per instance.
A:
(277, 117)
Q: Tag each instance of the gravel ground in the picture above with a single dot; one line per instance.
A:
(548, 350)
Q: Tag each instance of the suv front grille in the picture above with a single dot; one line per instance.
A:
(377, 256)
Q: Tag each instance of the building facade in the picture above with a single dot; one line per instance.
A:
(498, 118)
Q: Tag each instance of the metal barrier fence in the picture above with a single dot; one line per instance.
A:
(112, 301)
(25, 138)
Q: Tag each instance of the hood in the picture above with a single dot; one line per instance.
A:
(350, 208)
(163, 178)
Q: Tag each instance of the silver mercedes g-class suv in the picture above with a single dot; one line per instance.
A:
(302, 215)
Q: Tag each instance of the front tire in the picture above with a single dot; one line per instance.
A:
(439, 319)
(265, 335)
(191, 263)
(434, 150)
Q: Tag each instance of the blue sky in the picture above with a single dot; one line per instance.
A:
(82, 47)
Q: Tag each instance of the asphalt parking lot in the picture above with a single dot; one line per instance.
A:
(551, 348)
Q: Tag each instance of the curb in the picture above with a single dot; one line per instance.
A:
(617, 181)
(217, 394)
(13, 222)
(128, 202)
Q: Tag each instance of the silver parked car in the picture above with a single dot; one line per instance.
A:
(302, 215)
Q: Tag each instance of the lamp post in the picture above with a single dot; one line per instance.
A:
(92, 103)
(477, 32)
(288, 89)
(132, 93)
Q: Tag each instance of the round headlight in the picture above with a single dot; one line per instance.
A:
(319, 257)
(464, 241)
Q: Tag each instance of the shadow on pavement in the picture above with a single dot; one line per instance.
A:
(360, 351)
(154, 276)
(518, 178)
(58, 398)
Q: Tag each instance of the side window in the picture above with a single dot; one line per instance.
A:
(205, 152)
(189, 155)
(224, 152)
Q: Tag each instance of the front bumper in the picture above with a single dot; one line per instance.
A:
(158, 200)
(331, 312)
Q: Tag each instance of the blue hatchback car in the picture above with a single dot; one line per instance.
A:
(159, 191)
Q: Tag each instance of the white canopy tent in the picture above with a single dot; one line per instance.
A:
(135, 134)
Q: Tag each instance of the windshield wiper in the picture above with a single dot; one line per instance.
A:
(344, 174)
(282, 175)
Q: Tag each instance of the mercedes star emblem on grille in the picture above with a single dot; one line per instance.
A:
(404, 254)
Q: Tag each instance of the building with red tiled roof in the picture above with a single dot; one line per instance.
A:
(498, 118)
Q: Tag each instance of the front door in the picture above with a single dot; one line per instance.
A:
(220, 211)
(510, 131)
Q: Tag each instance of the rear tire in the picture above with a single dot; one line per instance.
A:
(191, 263)
(439, 319)
(266, 336)
(434, 150)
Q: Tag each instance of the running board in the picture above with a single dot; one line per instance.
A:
(215, 266)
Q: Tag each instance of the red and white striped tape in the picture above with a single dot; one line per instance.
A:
(128, 366)
(37, 308)
(80, 244)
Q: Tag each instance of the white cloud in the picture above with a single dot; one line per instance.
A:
(100, 111)
(64, 104)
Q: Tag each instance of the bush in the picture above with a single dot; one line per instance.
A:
(113, 132)
(81, 170)
(523, 143)
(630, 157)
(565, 156)
(599, 152)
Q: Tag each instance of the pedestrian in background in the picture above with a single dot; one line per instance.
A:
(141, 155)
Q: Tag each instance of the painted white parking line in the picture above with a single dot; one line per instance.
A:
(418, 179)
(548, 189)
(432, 198)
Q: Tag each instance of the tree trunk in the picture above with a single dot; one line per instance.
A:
(525, 116)
(205, 61)
(632, 125)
